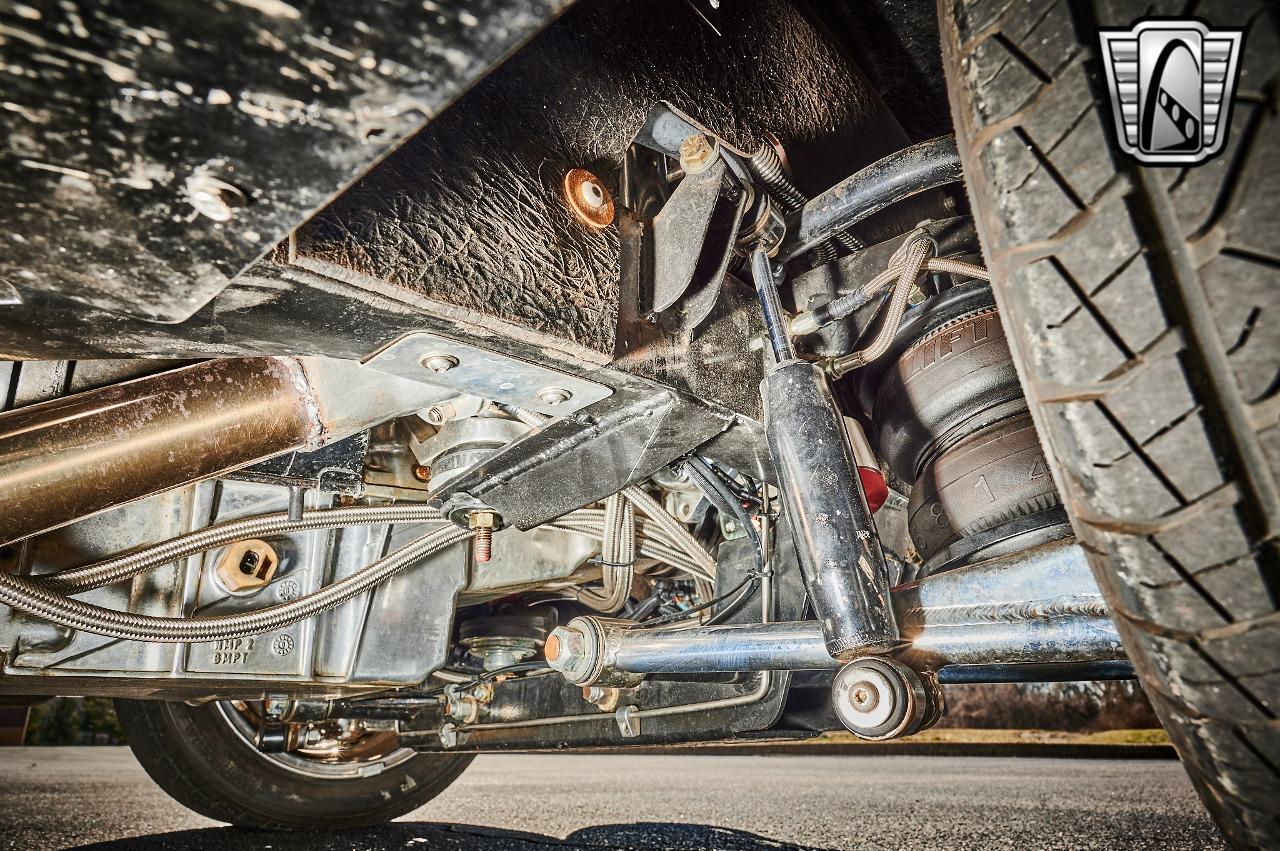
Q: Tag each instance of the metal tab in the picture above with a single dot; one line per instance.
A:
(433, 359)
(628, 721)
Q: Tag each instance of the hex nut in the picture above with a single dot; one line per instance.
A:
(697, 153)
(602, 697)
(440, 414)
(563, 647)
(482, 520)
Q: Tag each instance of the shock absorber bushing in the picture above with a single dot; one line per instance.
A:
(950, 418)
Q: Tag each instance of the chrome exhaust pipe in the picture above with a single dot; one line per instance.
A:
(1040, 607)
(69, 458)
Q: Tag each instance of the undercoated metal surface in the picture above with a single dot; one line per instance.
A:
(153, 151)
(1041, 607)
(469, 216)
(463, 229)
(478, 372)
(618, 442)
(74, 456)
(678, 233)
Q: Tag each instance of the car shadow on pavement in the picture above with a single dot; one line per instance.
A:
(425, 836)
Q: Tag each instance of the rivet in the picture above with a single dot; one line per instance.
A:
(438, 362)
(554, 396)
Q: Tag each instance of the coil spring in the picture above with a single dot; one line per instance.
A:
(766, 167)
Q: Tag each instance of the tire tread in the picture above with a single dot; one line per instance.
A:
(1143, 306)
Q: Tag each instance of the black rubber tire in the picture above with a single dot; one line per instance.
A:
(194, 755)
(1143, 309)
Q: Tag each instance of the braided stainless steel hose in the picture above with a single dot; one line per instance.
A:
(650, 543)
(647, 506)
(617, 557)
(125, 566)
(912, 257)
(37, 600)
(841, 306)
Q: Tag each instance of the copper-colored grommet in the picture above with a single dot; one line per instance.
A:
(587, 196)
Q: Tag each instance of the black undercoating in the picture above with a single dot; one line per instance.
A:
(463, 231)
(897, 45)
(470, 213)
(117, 112)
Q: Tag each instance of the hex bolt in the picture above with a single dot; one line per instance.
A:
(441, 413)
(438, 362)
(697, 153)
(564, 647)
(422, 472)
(483, 522)
(553, 396)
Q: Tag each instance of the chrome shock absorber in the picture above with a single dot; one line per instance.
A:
(844, 568)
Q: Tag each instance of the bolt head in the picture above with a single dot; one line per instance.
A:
(482, 519)
(441, 414)
(553, 396)
(563, 647)
(439, 362)
(697, 153)
(422, 473)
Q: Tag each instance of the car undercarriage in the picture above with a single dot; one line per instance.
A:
(394, 384)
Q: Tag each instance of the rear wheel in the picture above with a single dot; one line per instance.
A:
(204, 757)
(1143, 308)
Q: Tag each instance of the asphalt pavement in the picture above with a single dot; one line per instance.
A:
(99, 798)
